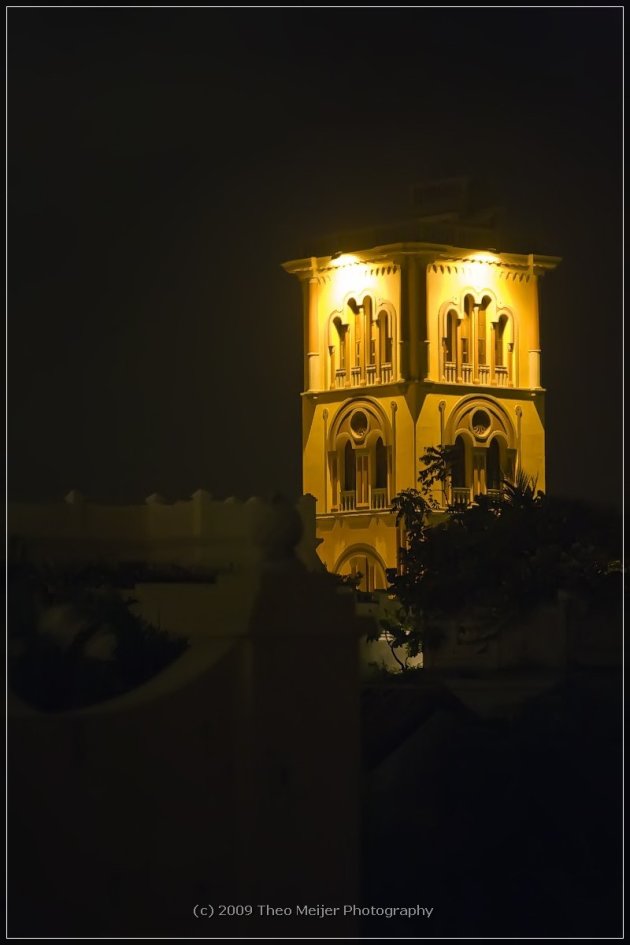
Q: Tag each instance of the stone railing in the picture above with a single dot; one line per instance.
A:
(501, 374)
(379, 499)
(348, 501)
(460, 496)
(484, 374)
(450, 372)
(197, 532)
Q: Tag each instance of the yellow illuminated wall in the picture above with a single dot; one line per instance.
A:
(406, 346)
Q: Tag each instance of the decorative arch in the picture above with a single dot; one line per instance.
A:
(363, 556)
(477, 339)
(481, 427)
(461, 416)
(373, 408)
(505, 363)
(362, 339)
(338, 336)
(359, 449)
(386, 341)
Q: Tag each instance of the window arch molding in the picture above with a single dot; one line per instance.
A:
(505, 465)
(362, 338)
(477, 339)
(509, 342)
(371, 407)
(460, 419)
(482, 424)
(379, 580)
(359, 450)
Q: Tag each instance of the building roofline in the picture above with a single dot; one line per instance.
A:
(442, 253)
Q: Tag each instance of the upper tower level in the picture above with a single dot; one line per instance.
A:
(420, 311)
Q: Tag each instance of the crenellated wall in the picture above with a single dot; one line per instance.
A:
(200, 532)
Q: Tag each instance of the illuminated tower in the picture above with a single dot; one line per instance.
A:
(409, 345)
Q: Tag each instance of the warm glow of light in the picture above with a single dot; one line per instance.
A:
(483, 257)
(351, 273)
(346, 259)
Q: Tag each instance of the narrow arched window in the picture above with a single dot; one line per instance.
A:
(481, 333)
(451, 336)
(380, 460)
(358, 333)
(459, 464)
(342, 331)
(499, 342)
(493, 466)
(464, 331)
(385, 337)
(370, 339)
(349, 469)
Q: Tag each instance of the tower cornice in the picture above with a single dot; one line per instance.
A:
(438, 255)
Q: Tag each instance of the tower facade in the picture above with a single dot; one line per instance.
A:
(410, 345)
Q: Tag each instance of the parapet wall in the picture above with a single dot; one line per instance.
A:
(200, 532)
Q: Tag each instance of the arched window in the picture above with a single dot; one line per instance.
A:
(357, 333)
(499, 342)
(451, 336)
(349, 469)
(359, 456)
(369, 329)
(380, 462)
(459, 464)
(464, 333)
(342, 331)
(482, 353)
(493, 466)
(362, 563)
(385, 337)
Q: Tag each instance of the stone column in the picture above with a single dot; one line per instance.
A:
(392, 492)
(534, 342)
(404, 371)
(314, 381)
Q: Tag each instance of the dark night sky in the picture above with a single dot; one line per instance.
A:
(164, 162)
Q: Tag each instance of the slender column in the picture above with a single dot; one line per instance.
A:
(458, 350)
(442, 408)
(534, 368)
(404, 329)
(414, 318)
(325, 496)
(473, 343)
(314, 382)
(534, 336)
(366, 318)
(394, 407)
(420, 315)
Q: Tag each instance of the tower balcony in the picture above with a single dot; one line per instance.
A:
(486, 375)
(360, 376)
(462, 496)
(350, 501)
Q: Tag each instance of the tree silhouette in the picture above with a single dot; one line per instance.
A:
(495, 559)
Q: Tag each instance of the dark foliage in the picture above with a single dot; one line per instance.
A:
(496, 558)
(53, 673)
